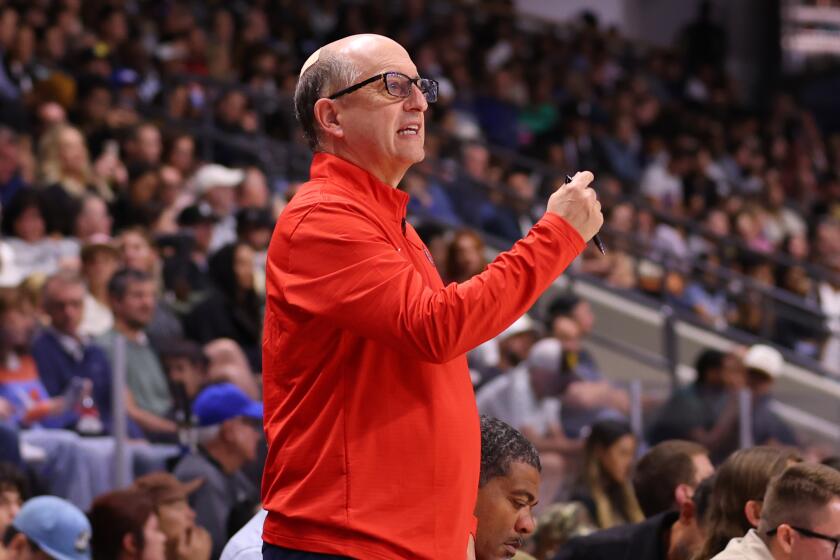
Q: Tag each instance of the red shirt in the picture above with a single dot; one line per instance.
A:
(373, 434)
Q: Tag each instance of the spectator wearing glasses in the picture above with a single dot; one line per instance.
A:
(800, 518)
(367, 290)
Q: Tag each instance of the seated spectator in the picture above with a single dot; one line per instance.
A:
(233, 308)
(100, 260)
(605, 487)
(24, 400)
(229, 363)
(799, 329)
(139, 204)
(800, 518)
(705, 411)
(138, 252)
(662, 180)
(230, 427)
(740, 484)
(584, 401)
(13, 491)
(668, 475)
(48, 527)
(508, 489)
(498, 355)
(185, 269)
(253, 191)
(670, 535)
(126, 527)
(184, 539)
(94, 220)
(527, 399)
(185, 364)
(63, 354)
(67, 175)
(12, 178)
(25, 224)
(143, 145)
(465, 257)
(764, 365)
(705, 296)
(215, 185)
(148, 400)
(429, 200)
(580, 311)
(254, 226)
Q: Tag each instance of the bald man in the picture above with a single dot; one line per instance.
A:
(373, 433)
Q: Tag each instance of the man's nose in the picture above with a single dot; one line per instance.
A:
(416, 101)
(525, 523)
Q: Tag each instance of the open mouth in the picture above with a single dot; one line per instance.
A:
(411, 130)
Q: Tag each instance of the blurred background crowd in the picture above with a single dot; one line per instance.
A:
(147, 148)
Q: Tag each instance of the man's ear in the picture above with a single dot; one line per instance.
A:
(683, 493)
(688, 511)
(327, 118)
(128, 543)
(784, 538)
(752, 510)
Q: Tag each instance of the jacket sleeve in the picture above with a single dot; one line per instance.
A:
(341, 266)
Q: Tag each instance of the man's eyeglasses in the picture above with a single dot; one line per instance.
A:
(398, 85)
(812, 535)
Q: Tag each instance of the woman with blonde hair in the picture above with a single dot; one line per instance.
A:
(605, 487)
(65, 171)
(738, 493)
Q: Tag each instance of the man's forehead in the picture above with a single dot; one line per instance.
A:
(521, 477)
(370, 53)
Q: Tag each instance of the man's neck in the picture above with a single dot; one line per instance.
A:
(671, 538)
(390, 177)
(220, 453)
(128, 331)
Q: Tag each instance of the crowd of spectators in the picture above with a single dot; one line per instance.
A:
(131, 244)
(713, 199)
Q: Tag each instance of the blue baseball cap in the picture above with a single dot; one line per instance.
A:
(58, 527)
(218, 403)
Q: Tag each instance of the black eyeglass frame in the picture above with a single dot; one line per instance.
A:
(384, 77)
(811, 534)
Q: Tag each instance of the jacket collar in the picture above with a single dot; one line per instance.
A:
(359, 182)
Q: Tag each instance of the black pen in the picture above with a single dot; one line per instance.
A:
(596, 239)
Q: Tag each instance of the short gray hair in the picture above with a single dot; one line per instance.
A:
(502, 445)
(326, 76)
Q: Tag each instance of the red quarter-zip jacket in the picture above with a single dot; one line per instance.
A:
(373, 434)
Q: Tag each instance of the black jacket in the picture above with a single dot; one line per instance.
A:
(638, 541)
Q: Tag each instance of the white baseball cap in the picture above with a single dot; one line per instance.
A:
(765, 359)
(214, 175)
